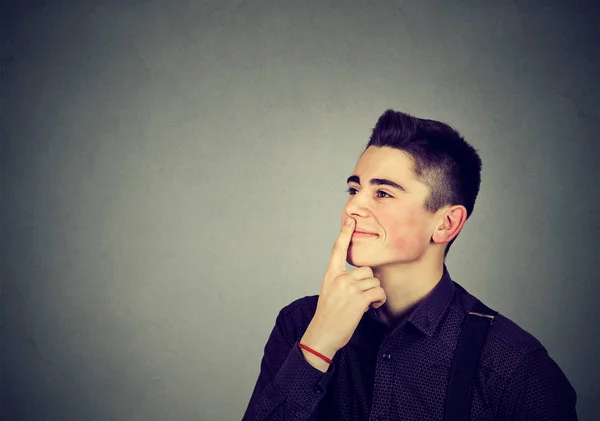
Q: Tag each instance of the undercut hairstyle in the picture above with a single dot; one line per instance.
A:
(443, 160)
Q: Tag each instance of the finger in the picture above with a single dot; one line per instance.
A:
(337, 262)
(368, 283)
(375, 297)
(377, 304)
(362, 272)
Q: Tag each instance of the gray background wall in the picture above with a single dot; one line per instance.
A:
(173, 174)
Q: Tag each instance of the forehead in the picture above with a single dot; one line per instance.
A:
(386, 162)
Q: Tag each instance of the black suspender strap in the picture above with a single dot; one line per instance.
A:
(466, 359)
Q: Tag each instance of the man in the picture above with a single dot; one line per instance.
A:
(379, 342)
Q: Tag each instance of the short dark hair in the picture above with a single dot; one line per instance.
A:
(443, 160)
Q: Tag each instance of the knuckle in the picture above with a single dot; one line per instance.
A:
(328, 278)
(347, 284)
(341, 279)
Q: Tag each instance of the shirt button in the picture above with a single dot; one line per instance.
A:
(386, 356)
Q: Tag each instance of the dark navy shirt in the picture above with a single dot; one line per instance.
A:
(403, 374)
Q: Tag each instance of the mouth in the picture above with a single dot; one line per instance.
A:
(363, 235)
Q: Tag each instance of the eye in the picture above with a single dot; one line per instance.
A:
(380, 193)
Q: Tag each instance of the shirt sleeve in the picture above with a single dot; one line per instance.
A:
(538, 390)
(288, 387)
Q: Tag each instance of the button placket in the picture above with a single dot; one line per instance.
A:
(382, 394)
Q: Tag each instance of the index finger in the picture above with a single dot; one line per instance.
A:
(337, 262)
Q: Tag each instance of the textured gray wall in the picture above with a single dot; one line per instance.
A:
(173, 174)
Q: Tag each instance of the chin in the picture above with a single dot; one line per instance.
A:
(375, 259)
(355, 259)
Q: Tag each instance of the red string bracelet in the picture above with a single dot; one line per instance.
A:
(312, 351)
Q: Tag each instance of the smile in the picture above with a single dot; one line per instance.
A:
(363, 235)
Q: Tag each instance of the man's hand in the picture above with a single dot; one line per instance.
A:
(345, 296)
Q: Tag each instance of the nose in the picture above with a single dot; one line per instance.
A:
(357, 205)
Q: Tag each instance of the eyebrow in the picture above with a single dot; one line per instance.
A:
(376, 182)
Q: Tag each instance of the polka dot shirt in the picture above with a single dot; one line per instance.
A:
(403, 374)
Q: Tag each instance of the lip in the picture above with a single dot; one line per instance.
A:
(360, 234)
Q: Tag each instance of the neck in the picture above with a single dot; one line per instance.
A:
(405, 286)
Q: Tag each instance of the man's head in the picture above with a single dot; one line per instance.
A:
(437, 177)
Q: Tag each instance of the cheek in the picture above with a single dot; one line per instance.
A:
(400, 239)
(405, 233)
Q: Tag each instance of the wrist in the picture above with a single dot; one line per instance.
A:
(314, 352)
(315, 361)
(316, 343)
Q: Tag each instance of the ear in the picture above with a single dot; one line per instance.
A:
(452, 220)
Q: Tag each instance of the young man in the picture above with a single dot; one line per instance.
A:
(380, 341)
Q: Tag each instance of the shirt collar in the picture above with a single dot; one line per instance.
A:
(428, 314)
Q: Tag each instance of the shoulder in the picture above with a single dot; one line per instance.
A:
(504, 330)
(513, 337)
(508, 345)
(305, 305)
(297, 315)
(516, 373)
